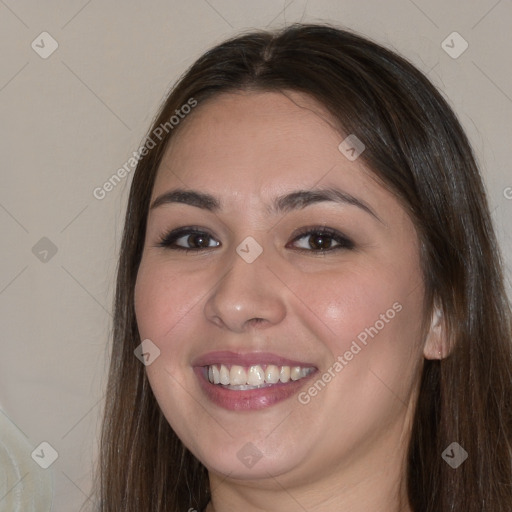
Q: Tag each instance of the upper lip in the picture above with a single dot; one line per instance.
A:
(246, 359)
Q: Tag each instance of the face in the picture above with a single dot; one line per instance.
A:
(291, 279)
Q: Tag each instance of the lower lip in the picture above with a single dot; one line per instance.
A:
(250, 399)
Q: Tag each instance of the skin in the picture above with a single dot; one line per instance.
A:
(345, 449)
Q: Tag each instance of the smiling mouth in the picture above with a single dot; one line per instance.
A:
(250, 381)
(243, 378)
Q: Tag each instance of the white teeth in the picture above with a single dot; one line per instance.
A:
(272, 374)
(295, 373)
(237, 376)
(216, 375)
(284, 374)
(255, 376)
(224, 375)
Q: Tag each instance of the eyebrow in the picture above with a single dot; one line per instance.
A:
(295, 200)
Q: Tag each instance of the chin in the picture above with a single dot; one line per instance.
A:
(244, 460)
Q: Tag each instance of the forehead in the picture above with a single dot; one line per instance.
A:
(246, 141)
(245, 120)
(248, 149)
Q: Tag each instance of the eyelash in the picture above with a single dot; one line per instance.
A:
(168, 240)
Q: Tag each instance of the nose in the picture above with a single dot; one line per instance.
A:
(248, 295)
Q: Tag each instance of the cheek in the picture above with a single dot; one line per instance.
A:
(163, 303)
(343, 302)
(162, 300)
(369, 321)
(362, 305)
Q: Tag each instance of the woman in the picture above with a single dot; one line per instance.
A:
(310, 276)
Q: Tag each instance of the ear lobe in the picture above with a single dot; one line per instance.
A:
(435, 343)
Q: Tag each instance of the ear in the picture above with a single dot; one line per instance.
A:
(436, 344)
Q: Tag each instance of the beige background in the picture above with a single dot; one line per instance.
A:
(71, 120)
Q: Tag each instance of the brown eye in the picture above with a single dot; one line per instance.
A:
(322, 240)
(187, 239)
(198, 240)
(318, 240)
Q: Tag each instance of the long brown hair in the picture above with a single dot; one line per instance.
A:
(414, 146)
